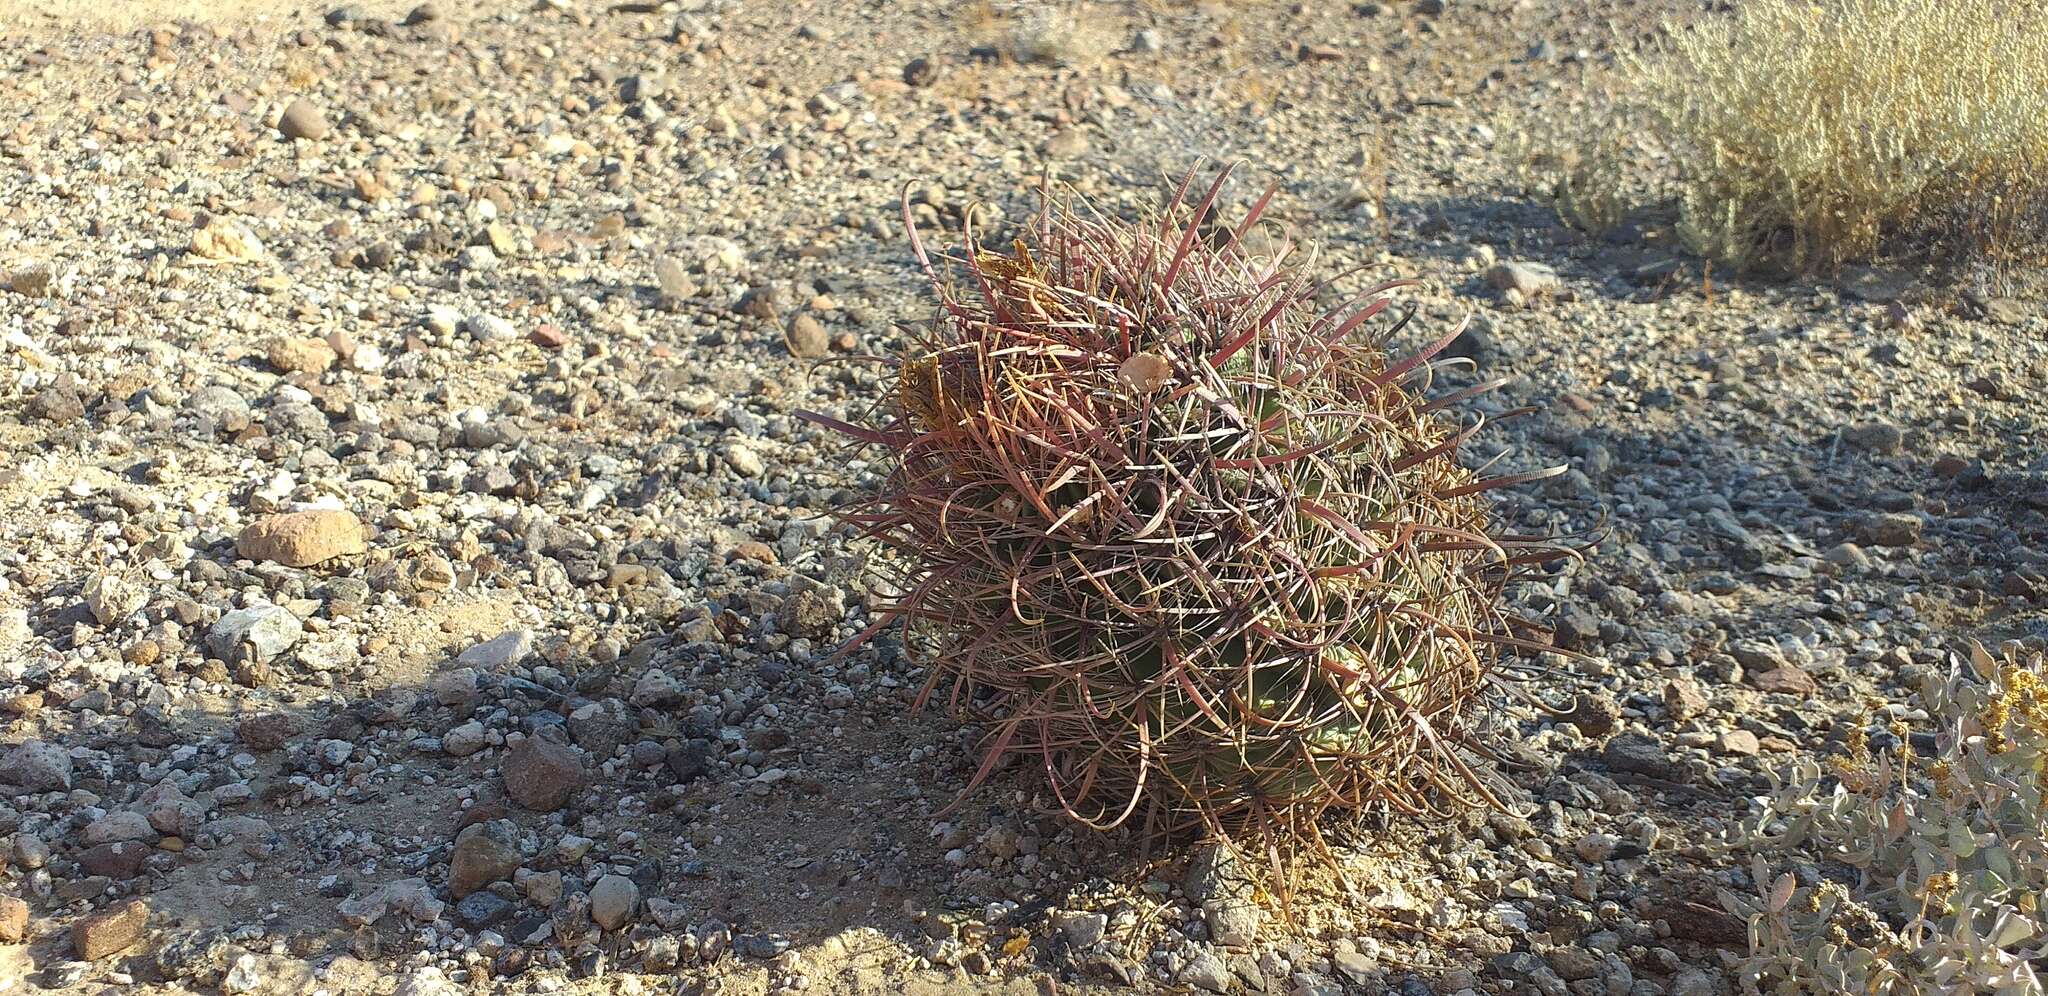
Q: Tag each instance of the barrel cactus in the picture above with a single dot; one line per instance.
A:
(1195, 548)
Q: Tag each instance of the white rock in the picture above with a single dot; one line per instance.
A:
(743, 461)
(427, 981)
(498, 652)
(258, 633)
(442, 318)
(464, 740)
(114, 828)
(38, 767)
(613, 900)
(243, 977)
(1083, 930)
(486, 327)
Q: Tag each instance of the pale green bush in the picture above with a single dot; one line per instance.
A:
(1948, 843)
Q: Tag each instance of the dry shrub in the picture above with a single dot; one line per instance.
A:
(1809, 134)
(1053, 32)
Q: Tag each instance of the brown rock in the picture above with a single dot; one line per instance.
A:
(13, 919)
(1596, 714)
(300, 355)
(483, 853)
(1890, 529)
(1697, 921)
(302, 539)
(57, 405)
(806, 337)
(1683, 699)
(1741, 743)
(119, 861)
(1786, 680)
(301, 120)
(111, 932)
(541, 774)
(267, 732)
(754, 550)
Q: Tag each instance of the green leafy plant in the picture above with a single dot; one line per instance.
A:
(1196, 548)
(1946, 833)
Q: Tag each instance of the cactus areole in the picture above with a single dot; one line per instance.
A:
(1191, 545)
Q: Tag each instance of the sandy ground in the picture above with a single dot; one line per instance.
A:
(125, 14)
(549, 435)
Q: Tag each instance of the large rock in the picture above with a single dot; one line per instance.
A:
(111, 932)
(427, 981)
(302, 121)
(120, 862)
(38, 767)
(170, 811)
(407, 895)
(257, 634)
(302, 539)
(542, 774)
(300, 354)
(114, 828)
(498, 652)
(13, 920)
(613, 900)
(484, 853)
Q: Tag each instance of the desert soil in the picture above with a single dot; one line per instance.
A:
(414, 578)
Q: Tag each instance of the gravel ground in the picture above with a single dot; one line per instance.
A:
(413, 576)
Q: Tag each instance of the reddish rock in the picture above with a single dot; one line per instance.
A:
(548, 337)
(13, 919)
(541, 774)
(1785, 680)
(111, 932)
(119, 861)
(483, 812)
(302, 539)
(267, 732)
